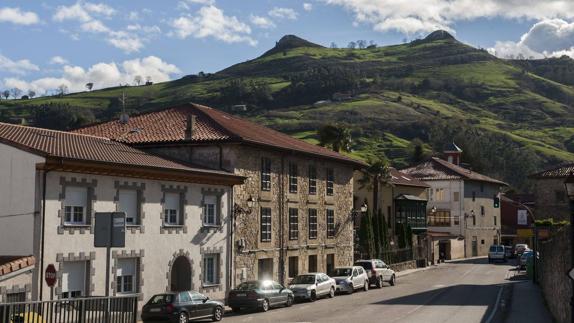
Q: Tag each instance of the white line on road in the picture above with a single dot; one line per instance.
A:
(491, 316)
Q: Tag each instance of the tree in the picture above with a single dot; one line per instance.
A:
(62, 89)
(373, 177)
(31, 93)
(338, 137)
(361, 43)
(333, 45)
(148, 79)
(352, 45)
(62, 117)
(6, 94)
(89, 86)
(416, 148)
(366, 237)
(16, 92)
(138, 80)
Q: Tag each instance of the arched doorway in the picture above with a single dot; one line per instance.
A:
(180, 275)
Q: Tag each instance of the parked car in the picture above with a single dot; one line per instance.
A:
(508, 252)
(520, 248)
(312, 286)
(378, 272)
(27, 317)
(496, 252)
(524, 258)
(350, 278)
(181, 307)
(259, 294)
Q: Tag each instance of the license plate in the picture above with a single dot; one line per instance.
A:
(241, 295)
(155, 309)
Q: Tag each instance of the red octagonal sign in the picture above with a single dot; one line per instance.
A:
(50, 275)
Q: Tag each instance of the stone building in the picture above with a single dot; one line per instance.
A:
(54, 184)
(461, 210)
(550, 195)
(292, 215)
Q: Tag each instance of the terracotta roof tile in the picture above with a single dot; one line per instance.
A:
(402, 179)
(555, 172)
(9, 264)
(169, 125)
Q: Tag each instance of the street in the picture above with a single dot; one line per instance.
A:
(463, 291)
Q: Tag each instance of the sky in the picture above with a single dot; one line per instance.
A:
(51, 43)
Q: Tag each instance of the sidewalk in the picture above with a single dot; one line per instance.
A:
(527, 304)
(415, 270)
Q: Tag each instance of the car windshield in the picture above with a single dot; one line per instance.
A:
(304, 279)
(341, 272)
(161, 299)
(248, 286)
(496, 249)
(367, 265)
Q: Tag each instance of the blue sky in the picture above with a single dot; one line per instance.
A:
(109, 42)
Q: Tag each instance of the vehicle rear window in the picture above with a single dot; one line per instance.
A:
(304, 279)
(248, 286)
(367, 265)
(342, 272)
(161, 299)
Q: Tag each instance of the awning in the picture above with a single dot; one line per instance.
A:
(410, 198)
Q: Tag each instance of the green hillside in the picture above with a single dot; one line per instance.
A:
(510, 117)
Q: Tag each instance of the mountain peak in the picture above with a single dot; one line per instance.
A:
(289, 42)
(438, 35)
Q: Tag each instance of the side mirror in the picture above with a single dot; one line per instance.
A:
(205, 299)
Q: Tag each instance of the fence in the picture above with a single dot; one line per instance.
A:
(398, 255)
(75, 310)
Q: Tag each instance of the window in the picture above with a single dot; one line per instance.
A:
(210, 264)
(125, 275)
(210, 214)
(330, 223)
(75, 205)
(128, 203)
(440, 194)
(456, 220)
(312, 180)
(265, 174)
(74, 279)
(330, 263)
(312, 223)
(293, 224)
(474, 220)
(293, 267)
(440, 219)
(171, 209)
(292, 178)
(265, 224)
(456, 196)
(15, 297)
(330, 181)
(312, 264)
(482, 211)
(184, 297)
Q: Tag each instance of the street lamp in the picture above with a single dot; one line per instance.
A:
(569, 185)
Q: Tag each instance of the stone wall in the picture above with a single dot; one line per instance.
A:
(551, 199)
(411, 264)
(554, 264)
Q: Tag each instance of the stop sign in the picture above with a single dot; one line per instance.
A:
(50, 275)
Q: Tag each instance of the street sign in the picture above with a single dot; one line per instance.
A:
(571, 273)
(110, 230)
(50, 275)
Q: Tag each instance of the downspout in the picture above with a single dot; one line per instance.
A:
(231, 257)
(281, 227)
(41, 269)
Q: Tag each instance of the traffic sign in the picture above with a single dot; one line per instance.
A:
(50, 275)
(571, 273)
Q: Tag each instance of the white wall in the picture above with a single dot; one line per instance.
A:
(456, 207)
(17, 200)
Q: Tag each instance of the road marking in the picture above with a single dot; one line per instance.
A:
(491, 316)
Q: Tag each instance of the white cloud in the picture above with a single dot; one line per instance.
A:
(125, 41)
(101, 74)
(59, 60)
(100, 9)
(549, 37)
(94, 26)
(211, 22)
(283, 13)
(307, 6)
(429, 15)
(133, 16)
(17, 16)
(16, 67)
(262, 22)
(74, 12)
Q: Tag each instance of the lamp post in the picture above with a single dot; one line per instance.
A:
(359, 212)
(569, 185)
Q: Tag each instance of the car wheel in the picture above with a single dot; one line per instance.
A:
(183, 318)
(265, 306)
(217, 314)
(393, 280)
(352, 290)
(289, 301)
(235, 309)
(366, 286)
(313, 296)
(379, 282)
(332, 292)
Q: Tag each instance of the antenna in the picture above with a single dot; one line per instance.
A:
(124, 117)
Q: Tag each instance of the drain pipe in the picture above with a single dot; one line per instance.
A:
(41, 269)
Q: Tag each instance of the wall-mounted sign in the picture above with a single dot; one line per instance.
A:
(522, 217)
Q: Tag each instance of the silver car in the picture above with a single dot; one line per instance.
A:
(312, 286)
(350, 278)
(378, 272)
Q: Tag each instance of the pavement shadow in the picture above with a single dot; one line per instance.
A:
(483, 261)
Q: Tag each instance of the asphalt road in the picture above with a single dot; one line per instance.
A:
(464, 291)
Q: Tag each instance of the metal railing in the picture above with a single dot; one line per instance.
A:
(398, 255)
(74, 310)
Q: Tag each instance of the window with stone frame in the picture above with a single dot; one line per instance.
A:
(265, 174)
(312, 223)
(292, 177)
(126, 275)
(293, 267)
(172, 209)
(312, 180)
(330, 223)
(17, 297)
(129, 204)
(74, 279)
(293, 224)
(210, 211)
(330, 181)
(265, 224)
(76, 205)
(210, 269)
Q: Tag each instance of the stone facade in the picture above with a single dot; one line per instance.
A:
(551, 199)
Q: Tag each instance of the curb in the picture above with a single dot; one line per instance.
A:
(413, 271)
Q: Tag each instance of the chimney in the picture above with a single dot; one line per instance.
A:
(452, 154)
(190, 127)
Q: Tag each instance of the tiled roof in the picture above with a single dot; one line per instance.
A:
(169, 125)
(438, 169)
(66, 145)
(402, 179)
(9, 264)
(556, 172)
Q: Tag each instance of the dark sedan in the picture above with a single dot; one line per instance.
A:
(181, 307)
(259, 294)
